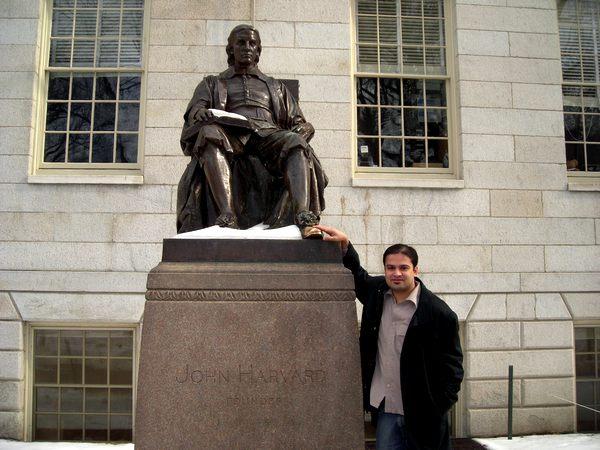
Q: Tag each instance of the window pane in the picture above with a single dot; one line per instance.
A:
(120, 428)
(366, 91)
(367, 58)
(79, 147)
(56, 117)
(593, 157)
(107, 53)
(387, 7)
(120, 400)
(388, 30)
(104, 116)
(390, 92)
(438, 153)
(111, 3)
(575, 157)
(433, 8)
(133, 3)
(83, 86)
(62, 23)
(55, 147)
(435, 92)
(366, 7)
(71, 343)
(60, 52)
(415, 153)
(120, 371)
(96, 427)
(109, 22)
(85, 22)
(413, 92)
(435, 60)
(412, 31)
(46, 427)
(58, 86)
(129, 114)
(389, 59)
(96, 370)
(121, 343)
(71, 400)
(592, 128)
(412, 59)
(129, 87)
(368, 152)
(81, 116)
(585, 420)
(64, 3)
(434, 32)
(591, 99)
(83, 53)
(127, 148)
(46, 343)
(391, 122)
(132, 23)
(46, 370)
(572, 98)
(96, 342)
(130, 54)
(573, 127)
(367, 121)
(96, 400)
(414, 122)
(70, 371)
(46, 399)
(106, 87)
(585, 392)
(102, 152)
(391, 152)
(437, 123)
(585, 365)
(71, 427)
(410, 7)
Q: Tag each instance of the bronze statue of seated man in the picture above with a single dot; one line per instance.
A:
(262, 170)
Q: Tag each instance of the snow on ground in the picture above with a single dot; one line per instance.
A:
(550, 442)
(17, 445)
(546, 442)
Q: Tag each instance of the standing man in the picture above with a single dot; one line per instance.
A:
(411, 356)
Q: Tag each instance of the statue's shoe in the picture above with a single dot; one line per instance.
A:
(306, 221)
(311, 233)
(227, 220)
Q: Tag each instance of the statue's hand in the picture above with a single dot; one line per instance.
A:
(202, 115)
(305, 129)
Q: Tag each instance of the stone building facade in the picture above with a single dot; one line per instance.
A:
(507, 235)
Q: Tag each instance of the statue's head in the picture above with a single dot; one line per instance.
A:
(246, 32)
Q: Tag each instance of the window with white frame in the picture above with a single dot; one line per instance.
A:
(82, 384)
(579, 24)
(93, 78)
(401, 86)
(587, 373)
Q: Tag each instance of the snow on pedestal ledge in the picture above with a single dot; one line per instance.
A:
(260, 231)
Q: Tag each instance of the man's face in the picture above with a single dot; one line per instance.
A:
(245, 48)
(400, 273)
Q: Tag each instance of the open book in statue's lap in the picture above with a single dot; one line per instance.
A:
(243, 174)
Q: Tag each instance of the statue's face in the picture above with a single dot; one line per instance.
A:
(246, 48)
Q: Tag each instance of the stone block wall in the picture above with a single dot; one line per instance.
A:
(514, 252)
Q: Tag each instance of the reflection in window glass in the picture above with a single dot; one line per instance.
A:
(83, 385)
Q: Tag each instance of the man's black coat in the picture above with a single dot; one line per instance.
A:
(430, 362)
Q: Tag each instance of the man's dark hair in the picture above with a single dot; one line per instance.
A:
(231, 40)
(405, 250)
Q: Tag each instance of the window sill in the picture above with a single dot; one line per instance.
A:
(432, 183)
(95, 178)
(583, 186)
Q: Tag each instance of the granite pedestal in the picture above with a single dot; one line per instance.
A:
(249, 344)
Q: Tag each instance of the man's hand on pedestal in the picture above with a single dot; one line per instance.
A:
(202, 115)
(333, 234)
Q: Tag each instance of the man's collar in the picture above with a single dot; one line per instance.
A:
(231, 72)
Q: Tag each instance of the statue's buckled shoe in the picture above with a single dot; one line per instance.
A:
(306, 221)
(227, 220)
